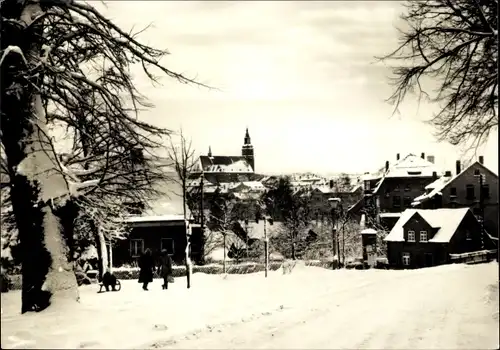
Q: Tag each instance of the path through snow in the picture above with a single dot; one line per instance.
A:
(442, 307)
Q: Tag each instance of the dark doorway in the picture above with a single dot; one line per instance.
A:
(429, 260)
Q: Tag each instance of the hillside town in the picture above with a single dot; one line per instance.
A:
(377, 208)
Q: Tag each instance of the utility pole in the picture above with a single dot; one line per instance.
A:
(246, 236)
(481, 208)
(266, 248)
(202, 220)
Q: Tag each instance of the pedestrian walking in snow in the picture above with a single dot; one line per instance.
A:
(146, 264)
(165, 268)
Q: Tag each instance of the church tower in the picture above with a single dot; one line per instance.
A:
(247, 151)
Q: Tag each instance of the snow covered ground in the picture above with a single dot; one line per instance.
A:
(452, 307)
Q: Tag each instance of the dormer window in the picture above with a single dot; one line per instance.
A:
(411, 236)
(423, 237)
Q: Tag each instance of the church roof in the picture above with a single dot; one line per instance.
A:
(231, 164)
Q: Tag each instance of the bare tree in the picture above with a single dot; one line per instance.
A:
(53, 54)
(222, 219)
(293, 209)
(181, 154)
(456, 45)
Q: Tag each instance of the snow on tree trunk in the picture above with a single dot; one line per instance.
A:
(37, 181)
(99, 249)
(110, 269)
(104, 252)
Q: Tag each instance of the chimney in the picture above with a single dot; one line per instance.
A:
(458, 167)
(434, 175)
(397, 156)
(481, 160)
(331, 183)
(386, 165)
(431, 159)
(422, 155)
(447, 173)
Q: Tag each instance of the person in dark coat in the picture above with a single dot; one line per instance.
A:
(147, 265)
(165, 268)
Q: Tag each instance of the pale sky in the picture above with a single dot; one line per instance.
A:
(300, 75)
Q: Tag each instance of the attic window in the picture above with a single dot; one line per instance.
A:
(453, 191)
(476, 172)
(414, 172)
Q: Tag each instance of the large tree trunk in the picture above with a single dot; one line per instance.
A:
(103, 261)
(99, 249)
(47, 273)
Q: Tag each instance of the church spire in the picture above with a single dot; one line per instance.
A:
(247, 151)
(209, 151)
(247, 138)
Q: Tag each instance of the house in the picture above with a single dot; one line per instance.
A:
(462, 190)
(427, 237)
(157, 233)
(388, 192)
(349, 194)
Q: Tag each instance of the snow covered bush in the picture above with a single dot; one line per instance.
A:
(212, 269)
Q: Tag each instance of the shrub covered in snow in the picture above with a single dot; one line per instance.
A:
(180, 271)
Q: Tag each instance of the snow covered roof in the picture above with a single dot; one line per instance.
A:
(254, 185)
(324, 189)
(390, 215)
(445, 220)
(439, 185)
(368, 231)
(225, 164)
(156, 218)
(412, 166)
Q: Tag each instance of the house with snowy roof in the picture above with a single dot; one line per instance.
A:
(388, 192)
(463, 189)
(427, 237)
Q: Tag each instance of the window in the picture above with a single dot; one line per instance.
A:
(367, 185)
(407, 202)
(396, 201)
(407, 188)
(476, 172)
(168, 245)
(470, 192)
(486, 191)
(396, 189)
(406, 259)
(136, 247)
(411, 236)
(453, 191)
(423, 236)
(467, 235)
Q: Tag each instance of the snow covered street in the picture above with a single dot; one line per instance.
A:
(452, 307)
